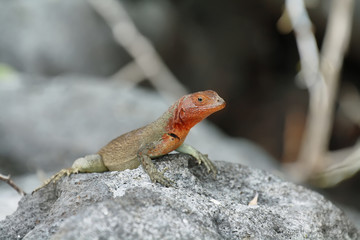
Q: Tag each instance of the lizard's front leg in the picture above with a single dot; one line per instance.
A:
(201, 158)
(149, 167)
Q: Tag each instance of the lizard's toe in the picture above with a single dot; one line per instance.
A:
(160, 178)
(164, 170)
(166, 182)
(210, 167)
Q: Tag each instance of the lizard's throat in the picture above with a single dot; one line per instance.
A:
(181, 125)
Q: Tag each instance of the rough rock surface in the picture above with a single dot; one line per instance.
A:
(126, 205)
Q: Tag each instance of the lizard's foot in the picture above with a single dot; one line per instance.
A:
(201, 158)
(159, 177)
(151, 170)
(57, 176)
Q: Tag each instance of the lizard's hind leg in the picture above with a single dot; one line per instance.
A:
(89, 163)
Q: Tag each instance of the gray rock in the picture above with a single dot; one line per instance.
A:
(9, 198)
(126, 205)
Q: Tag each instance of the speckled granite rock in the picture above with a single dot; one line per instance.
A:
(126, 205)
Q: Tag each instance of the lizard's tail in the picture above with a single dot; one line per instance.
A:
(57, 176)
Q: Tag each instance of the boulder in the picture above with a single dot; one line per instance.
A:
(126, 205)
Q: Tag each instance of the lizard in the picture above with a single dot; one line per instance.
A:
(158, 138)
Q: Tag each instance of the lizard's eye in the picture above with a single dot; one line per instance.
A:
(200, 99)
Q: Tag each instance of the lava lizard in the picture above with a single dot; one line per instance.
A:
(158, 138)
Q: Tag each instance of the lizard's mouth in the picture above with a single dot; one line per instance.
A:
(220, 104)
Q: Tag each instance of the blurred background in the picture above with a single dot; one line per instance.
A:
(75, 74)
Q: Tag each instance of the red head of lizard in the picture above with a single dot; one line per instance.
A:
(192, 109)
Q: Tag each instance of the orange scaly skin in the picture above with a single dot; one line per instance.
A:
(185, 113)
(158, 138)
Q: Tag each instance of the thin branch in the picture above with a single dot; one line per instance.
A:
(306, 42)
(8, 180)
(312, 146)
(336, 42)
(347, 167)
(130, 72)
(323, 81)
(139, 47)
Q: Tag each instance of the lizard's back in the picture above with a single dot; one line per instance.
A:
(121, 153)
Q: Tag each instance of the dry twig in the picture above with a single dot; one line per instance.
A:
(339, 170)
(312, 77)
(321, 75)
(8, 180)
(146, 59)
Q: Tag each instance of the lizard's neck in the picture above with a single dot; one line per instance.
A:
(176, 123)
